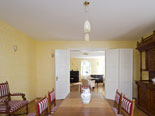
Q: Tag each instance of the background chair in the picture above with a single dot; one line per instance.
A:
(117, 103)
(84, 87)
(52, 102)
(85, 82)
(88, 82)
(8, 106)
(127, 108)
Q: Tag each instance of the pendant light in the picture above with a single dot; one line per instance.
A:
(86, 37)
(87, 25)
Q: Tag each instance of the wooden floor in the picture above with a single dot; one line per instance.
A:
(100, 89)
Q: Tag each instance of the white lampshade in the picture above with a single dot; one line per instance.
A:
(87, 26)
(86, 37)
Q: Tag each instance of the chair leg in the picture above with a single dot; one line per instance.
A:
(27, 110)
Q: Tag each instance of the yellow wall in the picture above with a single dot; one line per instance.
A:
(97, 65)
(31, 68)
(45, 63)
(18, 68)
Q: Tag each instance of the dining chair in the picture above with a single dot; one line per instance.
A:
(84, 87)
(9, 106)
(41, 108)
(52, 102)
(117, 103)
(127, 107)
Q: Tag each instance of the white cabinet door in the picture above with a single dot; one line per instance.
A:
(112, 73)
(126, 72)
(62, 75)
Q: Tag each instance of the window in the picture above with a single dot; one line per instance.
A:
(85, 68)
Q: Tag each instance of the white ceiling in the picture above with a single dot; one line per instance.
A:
(63, 19)
(87, 54)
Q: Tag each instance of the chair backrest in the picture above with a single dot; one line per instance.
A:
(127, 108)
(51, 99)
(4, 89)
(118, 99)
(42, 107)
(85, 82)
(84, 87)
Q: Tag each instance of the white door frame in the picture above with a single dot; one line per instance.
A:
(92, 49)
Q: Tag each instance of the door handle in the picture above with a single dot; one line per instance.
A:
(56, 78)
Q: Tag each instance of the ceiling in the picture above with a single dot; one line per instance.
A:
(87, 54)
(63, 20)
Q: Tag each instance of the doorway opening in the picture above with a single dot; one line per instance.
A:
(119, 70)
(87, 65)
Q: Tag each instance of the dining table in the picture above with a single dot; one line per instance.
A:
(73, 106)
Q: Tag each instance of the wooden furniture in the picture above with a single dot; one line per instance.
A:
(84, 87)
(74, 76)
(8, 106)
(41, 108)
(52, 102)
(117, 103)
(127, 107)
(85, 82)
(146, 97)
(146, 89)
(73, 106)
(97, 78)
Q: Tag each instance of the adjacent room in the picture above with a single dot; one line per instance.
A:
(77, 57)
(87, 67)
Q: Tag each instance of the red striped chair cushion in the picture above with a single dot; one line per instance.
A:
(84, 87)
(4, 89)
(31, 114)
(52, 96)
(118, 98)
(127, 105)
(14, 105)
(3, 100)
(42, 105)
(34, 114)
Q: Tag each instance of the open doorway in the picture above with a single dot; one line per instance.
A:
(119, 70)
(87, 65)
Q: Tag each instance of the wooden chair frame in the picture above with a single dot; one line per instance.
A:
(43, 113)
(124, 112)
(118, 105)
(5, 98)
(51, 102)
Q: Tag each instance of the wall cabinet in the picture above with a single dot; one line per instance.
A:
(146, 89)
(150, 57)
(146, 97)
(74, 76)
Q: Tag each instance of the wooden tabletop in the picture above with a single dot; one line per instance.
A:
(73, 106)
